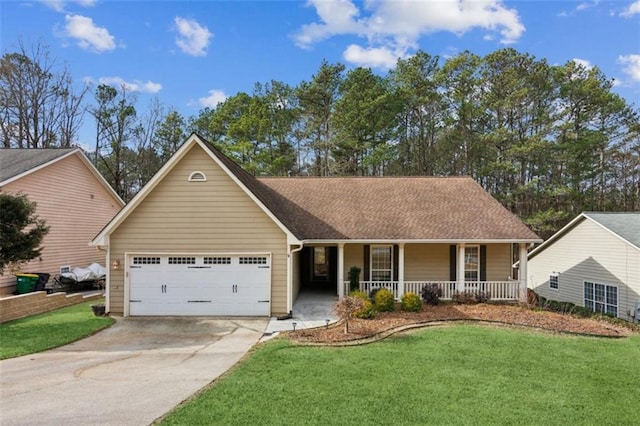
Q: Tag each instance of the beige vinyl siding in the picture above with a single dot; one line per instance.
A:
(426, 262)
(588, 252)
(75, 205)
(215, 216)
(353, 256)
(499, 262)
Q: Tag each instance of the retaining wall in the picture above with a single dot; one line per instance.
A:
(23, 305)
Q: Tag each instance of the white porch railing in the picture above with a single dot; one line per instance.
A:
(498, 290)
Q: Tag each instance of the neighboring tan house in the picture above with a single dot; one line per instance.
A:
(594, 261)
(73, 198)
(204, 237)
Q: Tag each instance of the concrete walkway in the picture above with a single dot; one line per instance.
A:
(129, 374)
(311, 309)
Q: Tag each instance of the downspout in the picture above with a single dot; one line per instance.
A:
(108, 276)
(290, 276)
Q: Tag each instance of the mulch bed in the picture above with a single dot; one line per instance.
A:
(386, 323)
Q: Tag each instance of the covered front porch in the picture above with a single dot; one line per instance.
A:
(403, 267)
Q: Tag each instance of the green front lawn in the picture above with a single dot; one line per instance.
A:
(454, 375)
(49, 330)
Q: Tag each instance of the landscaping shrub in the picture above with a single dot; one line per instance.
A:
(367, 311)
(410, 302)
(354, 278)
(482, 296)
(346, 308)
(464, 297)
(564, 307)
(471, 297)
(431, 294)
(383, 300)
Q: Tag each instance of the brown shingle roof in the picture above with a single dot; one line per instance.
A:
(383, 208)
(392, 208)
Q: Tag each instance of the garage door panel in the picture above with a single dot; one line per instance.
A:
(215, 285)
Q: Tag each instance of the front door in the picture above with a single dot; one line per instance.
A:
(319, 269)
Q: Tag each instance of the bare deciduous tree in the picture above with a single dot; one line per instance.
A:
(39, 106)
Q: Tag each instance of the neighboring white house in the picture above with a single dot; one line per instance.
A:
(594, 261)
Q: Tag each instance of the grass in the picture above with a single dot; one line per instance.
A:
(454, 375)
(49, 330)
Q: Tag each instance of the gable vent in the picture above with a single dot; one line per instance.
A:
(197, 177)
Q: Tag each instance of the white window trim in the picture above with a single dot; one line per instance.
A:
(557, 277)
(196, 177)
(606, 302)
(477, 246)
(371, 268)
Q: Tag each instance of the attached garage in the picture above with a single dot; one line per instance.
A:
(208, 285)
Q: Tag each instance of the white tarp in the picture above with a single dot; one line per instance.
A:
(92, 272)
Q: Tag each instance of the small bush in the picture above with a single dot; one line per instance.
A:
(360, 294)
(367, 311)
(431, 294)
(482, 296)
(464, 297)
(410, 302)
(383, 300)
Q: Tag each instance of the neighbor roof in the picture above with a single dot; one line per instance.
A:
(17, 161)
(625, 225)
(393, 208)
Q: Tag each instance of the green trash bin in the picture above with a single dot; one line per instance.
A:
(26, 283)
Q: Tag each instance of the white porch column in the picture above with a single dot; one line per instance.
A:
(522, 272)
(340, 270)
(460, 273)
(400, 270)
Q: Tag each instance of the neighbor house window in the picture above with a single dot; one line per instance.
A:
(553, 281)
(320, 263)
(601, 298)
(381, 263)
(471, 263)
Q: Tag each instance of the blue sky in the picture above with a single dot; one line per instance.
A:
(192, 54)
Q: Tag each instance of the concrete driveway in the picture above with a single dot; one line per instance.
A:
(130, 374)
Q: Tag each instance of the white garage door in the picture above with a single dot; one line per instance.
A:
(218, 285)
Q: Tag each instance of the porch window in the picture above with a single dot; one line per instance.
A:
(381, 263)
(601, 298)
(472, 263)
(320, 263)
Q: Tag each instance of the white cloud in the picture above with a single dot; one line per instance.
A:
(375, 57)
(586, 5)
(193, 38)
(131, 86)
(398, 24)
(87, 34)
(633, 9)
(213, 99)
(583, 62)
(630, 66)
(59, 5)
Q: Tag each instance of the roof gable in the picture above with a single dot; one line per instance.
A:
(244, 180)
(16, 163)
(625, 226)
